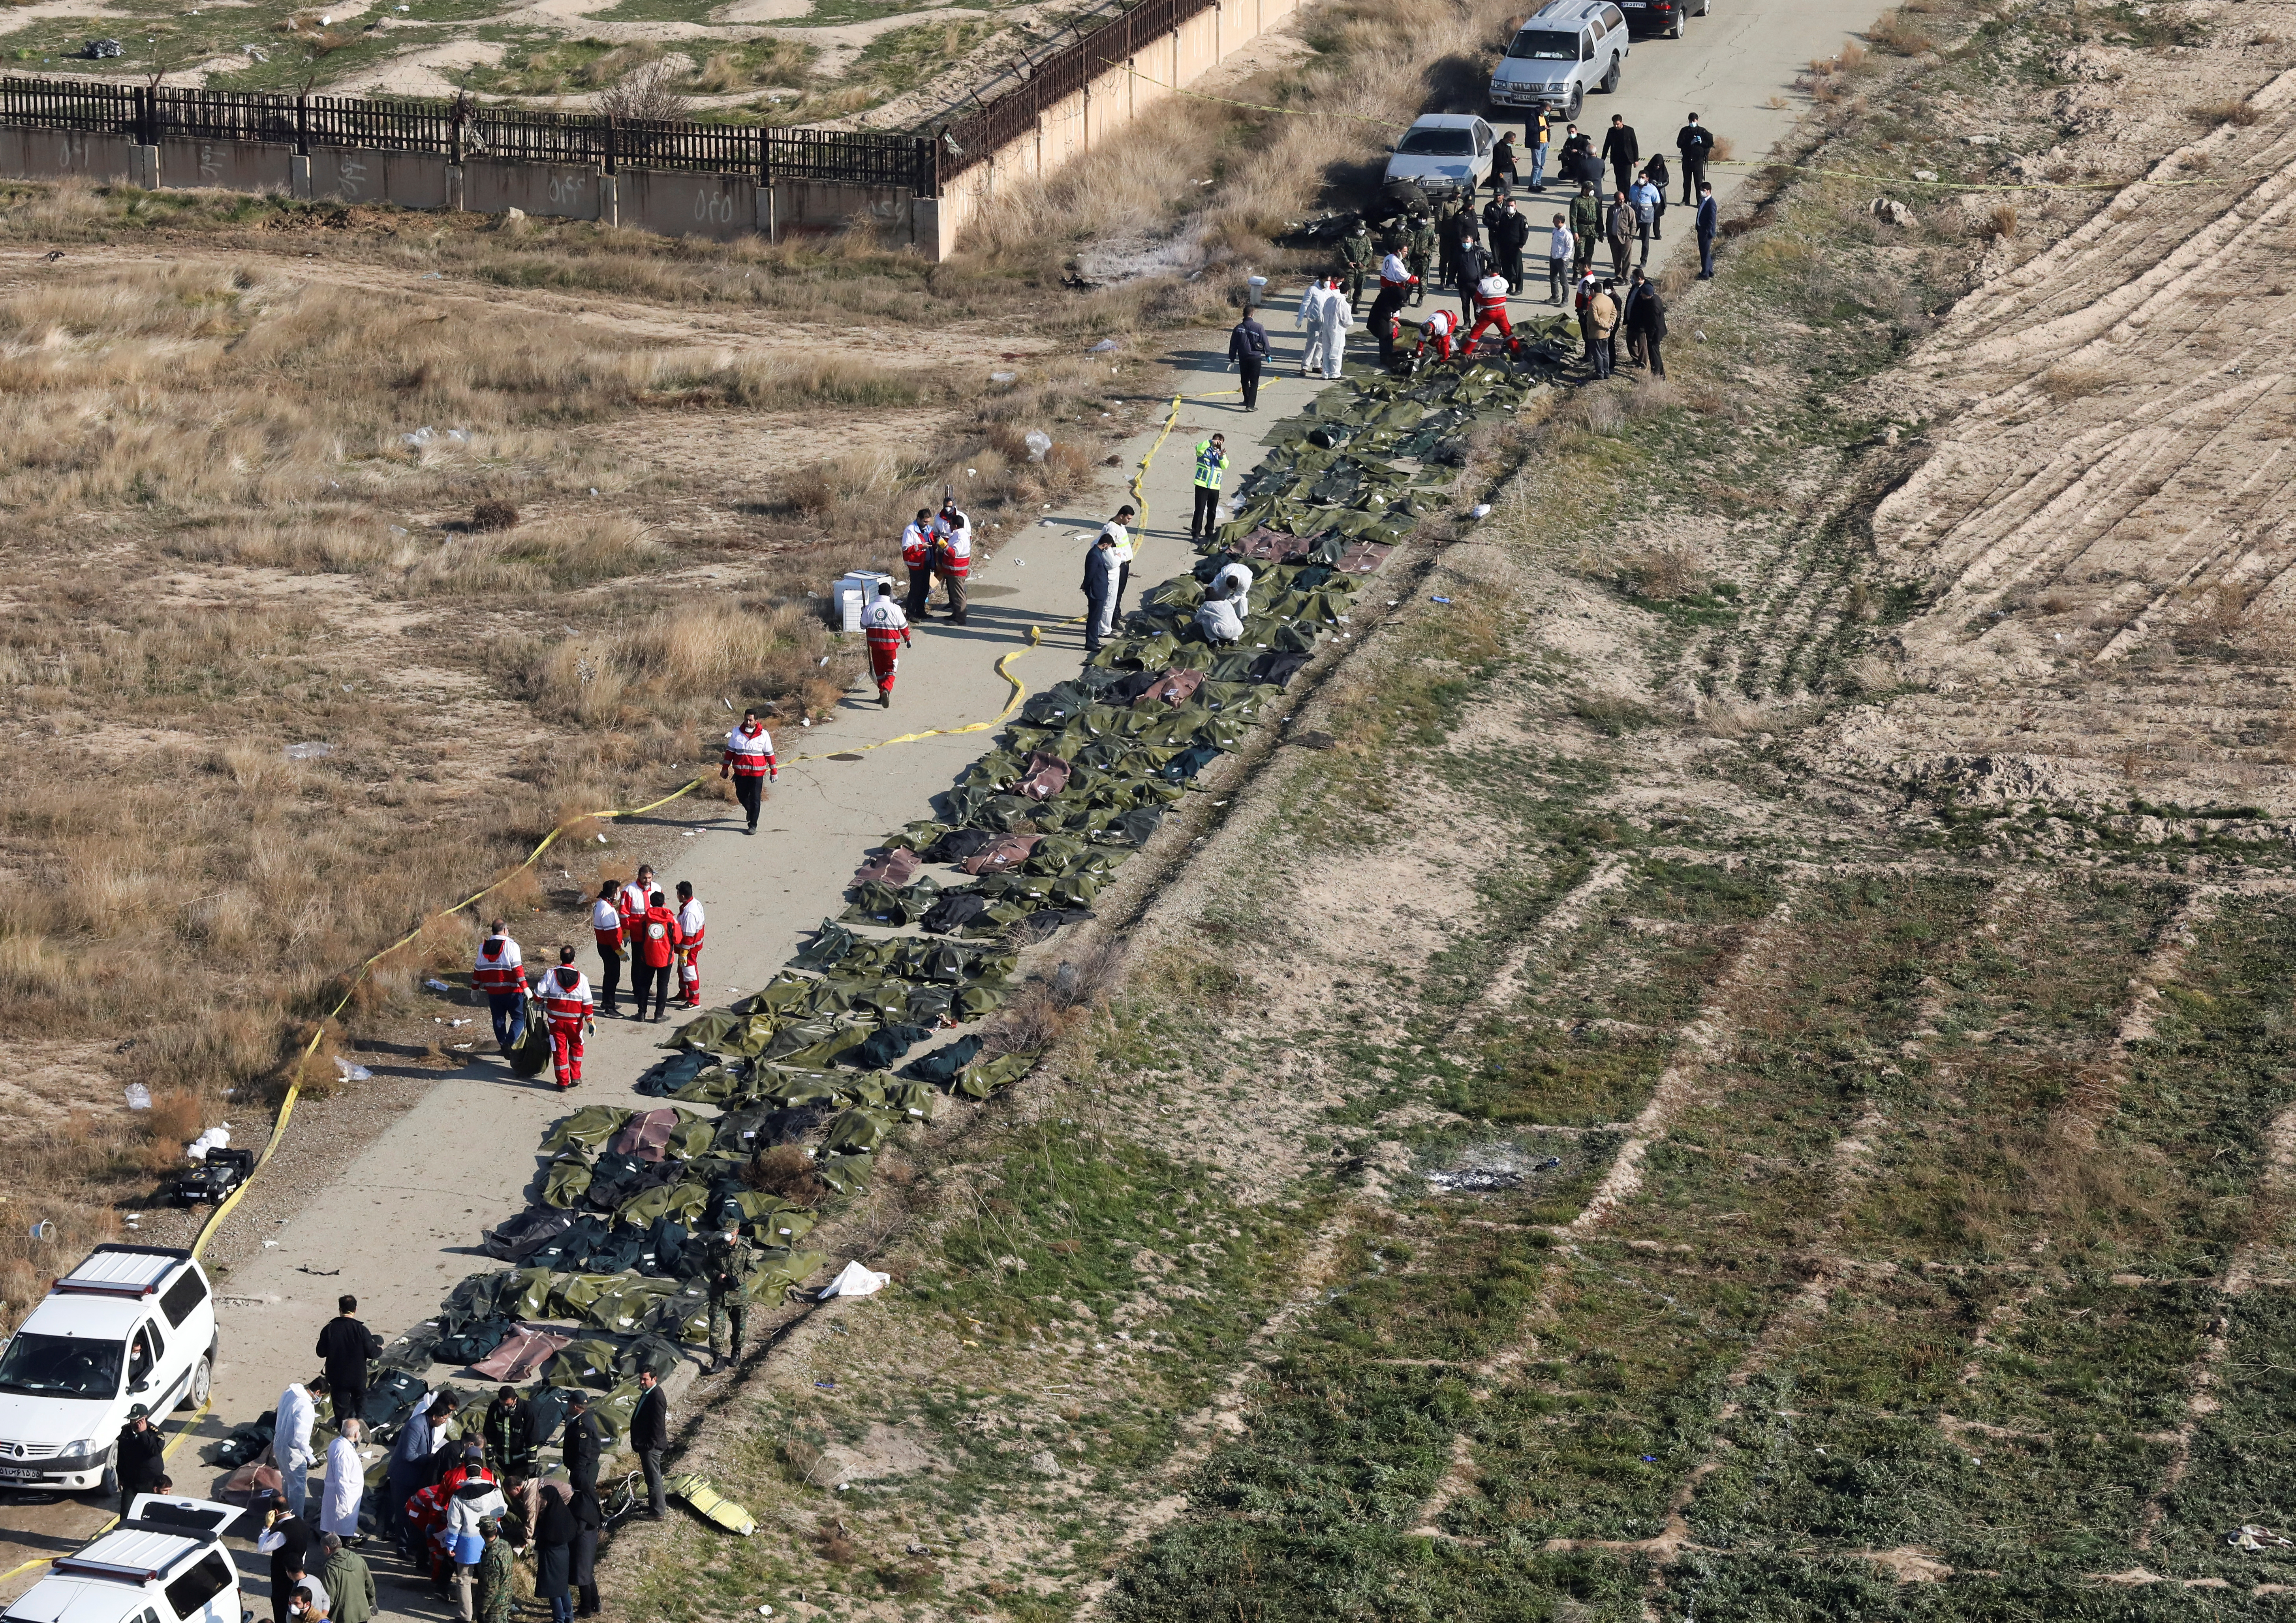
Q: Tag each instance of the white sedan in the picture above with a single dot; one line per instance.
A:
(1444, 152)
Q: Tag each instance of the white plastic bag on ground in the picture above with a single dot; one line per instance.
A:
(856, 1280)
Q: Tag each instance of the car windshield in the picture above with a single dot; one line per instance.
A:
(59, 1366)
(1436, 144)
(1546, 47)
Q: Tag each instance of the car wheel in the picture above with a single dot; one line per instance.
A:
(109, 1487)
(1680, 15)
(202, 1382)
(1611, 79)
(1577, 101)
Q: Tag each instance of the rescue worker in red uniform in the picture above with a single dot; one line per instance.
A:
(916, 557)
(631, 903)
(657, 950)
(567, 1005)
(606, 924)
(1436, 330)
(750, 763)
(690, 925)
(952, 558)
(1490, 310)
(888, 631)
(499, 974)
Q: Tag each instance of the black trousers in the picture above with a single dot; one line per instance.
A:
(920, 588)
(585, 1566)
(609, 978)
(1383, 324)
(1694, 174)
(1248, 369)
(1511, 267)
(749, 790)
(1205, 521)
(1651, 342)
(1124, 579)
(644, 976)
(650, 1461)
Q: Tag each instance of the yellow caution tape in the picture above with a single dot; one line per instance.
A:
(294, 1083)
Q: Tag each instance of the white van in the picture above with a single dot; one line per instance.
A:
(132, 1325)
(165, 1563)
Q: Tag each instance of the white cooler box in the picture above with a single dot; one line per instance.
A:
(851, 594)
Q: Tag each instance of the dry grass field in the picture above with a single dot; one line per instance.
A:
(247, 445)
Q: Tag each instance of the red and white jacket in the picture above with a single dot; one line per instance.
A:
(631, 903)
(565, 1005)
(749, 754)
(917, 545)
(497, 970)
(1491, 296)
(886, 624)
(657, 942)
(690, 923)
(952, 549)
(606, 924)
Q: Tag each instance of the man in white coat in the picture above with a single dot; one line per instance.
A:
(291, 1440)
(345, 1485)
(1323, 312)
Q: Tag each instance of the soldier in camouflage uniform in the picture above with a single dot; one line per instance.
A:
(1357, 263)
(726, 1262)
(1419, 251)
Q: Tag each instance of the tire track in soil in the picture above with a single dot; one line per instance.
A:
(1700, 1040)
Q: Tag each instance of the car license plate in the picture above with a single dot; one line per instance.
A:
(16, 1474)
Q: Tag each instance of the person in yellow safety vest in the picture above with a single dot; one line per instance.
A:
(916, 557)
(1211, 462)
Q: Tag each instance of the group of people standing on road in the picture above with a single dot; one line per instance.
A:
(1482, 253)
(461, 1491)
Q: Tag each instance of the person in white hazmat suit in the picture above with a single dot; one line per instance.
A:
(1324, 315)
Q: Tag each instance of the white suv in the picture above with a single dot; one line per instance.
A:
(1566, 49)
(132, 1325)
(164, 1564)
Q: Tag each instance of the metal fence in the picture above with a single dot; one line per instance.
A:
(459, 130)
(971, 141)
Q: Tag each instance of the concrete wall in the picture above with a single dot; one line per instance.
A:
(809, 207)
(566, 190)
(1073, 126)
(354, 175)
(57, 154)
(674, 202)
(235, 166)
(686, 203)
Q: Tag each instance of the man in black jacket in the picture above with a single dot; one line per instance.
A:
(140, 1462)
(585, 1442)
(1694, 142)
(1510, 230)
(650, 1435)
(1474, 264)
(345, 1347)
(1646, 324)
(289, 1542)
(1621, 151)
(1247, 348)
